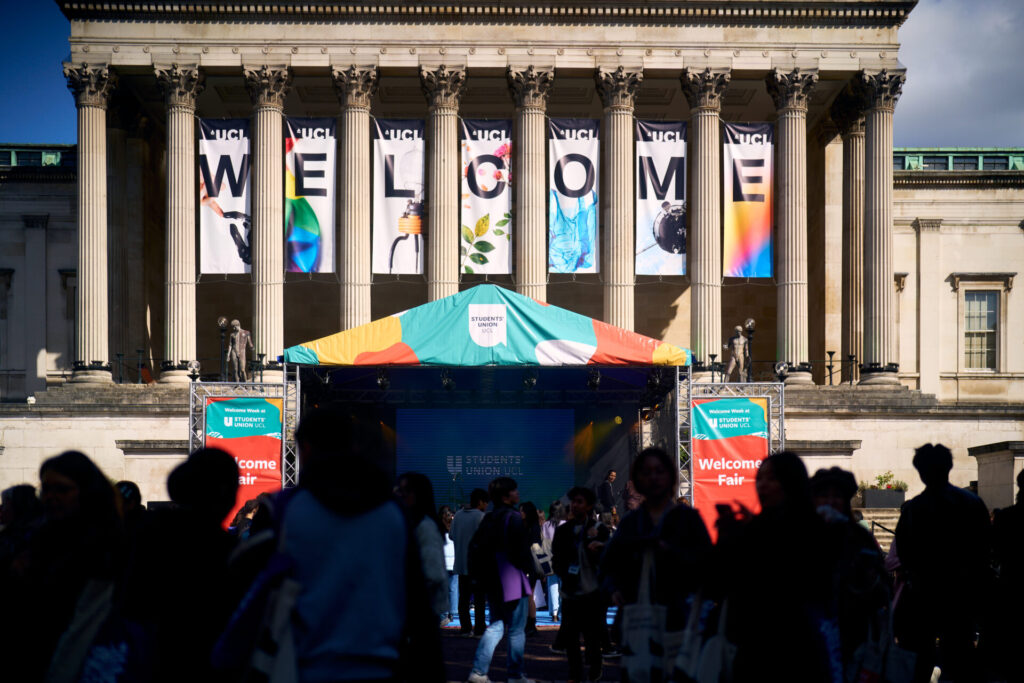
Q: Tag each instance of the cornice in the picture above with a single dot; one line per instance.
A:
(957, 180)
(814, 13)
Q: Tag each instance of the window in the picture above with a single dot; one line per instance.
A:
(897, 162)
(5, 157)
(965, 163)
(936, 163)
(981, 313)
(29, 158)
(996, 163)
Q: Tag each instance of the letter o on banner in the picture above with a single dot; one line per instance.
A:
(588, 184)
(471, 172)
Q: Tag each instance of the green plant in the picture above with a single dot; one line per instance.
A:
(474, 248)
(884, 481)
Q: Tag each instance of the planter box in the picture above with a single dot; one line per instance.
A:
(883, 498)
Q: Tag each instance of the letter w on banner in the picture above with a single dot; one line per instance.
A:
(398, 211)
(730, 440)
(660, 198)
(574, 152)
(224, 213)
(747, 189)
(309, 194)
(485, 245)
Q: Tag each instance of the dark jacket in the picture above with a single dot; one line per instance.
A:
(605, 496)
(565, 549)
(504, 532)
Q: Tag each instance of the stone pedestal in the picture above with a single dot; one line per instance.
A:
(529, 87)
(999, 465)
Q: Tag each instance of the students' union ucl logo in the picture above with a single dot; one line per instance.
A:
(228, 420)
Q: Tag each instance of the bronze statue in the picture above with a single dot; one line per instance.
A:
(238, 341)
(737, 347)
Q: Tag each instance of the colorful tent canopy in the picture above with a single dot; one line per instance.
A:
(487, 325)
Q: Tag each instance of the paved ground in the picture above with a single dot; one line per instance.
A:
(541, 664)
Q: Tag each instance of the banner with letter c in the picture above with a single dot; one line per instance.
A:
(730, 440)
(251, 431)
(574, 154)
(748, 199)
(486, 235)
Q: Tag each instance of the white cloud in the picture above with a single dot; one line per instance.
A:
(965, 81)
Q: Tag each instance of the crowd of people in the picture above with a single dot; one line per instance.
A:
(352, 575)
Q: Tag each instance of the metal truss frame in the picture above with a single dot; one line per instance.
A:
(289, 391)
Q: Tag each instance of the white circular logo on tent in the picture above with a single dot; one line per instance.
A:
(487, 324)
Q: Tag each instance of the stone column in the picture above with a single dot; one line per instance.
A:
(181, 85)
(267, 87)
(529, 87)
(881, 352)
(136, 164)
(931, 290)
(118, 117)
(92, 86)
(442, 86)
(35, 301)
(848, 115)
(618, 88)
(703, 90)
(355, 86)
(790, 92)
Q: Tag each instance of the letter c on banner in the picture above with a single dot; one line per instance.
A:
(588, 184)
(471, 171)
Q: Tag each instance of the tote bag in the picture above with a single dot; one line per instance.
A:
(688, 658)
(649, 650)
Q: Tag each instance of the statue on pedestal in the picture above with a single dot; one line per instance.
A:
(738, 352)
(238, 341)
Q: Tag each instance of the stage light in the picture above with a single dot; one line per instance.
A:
(646, 414)
(383, 381)
(446, 380)
(529, 379)
(618, 419)
(593, 379)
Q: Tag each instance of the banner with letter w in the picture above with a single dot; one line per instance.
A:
(224, 213)
(660, 198)
(486, 235)
(747, 206)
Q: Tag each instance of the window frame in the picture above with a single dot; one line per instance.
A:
(1000, 283)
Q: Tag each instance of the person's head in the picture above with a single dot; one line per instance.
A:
(416, 494)
(556, 512)
(19, 505)
(782, 482)
(246, 512)
(833, 488)
(581, 502)
(445, 514)
(503, 491)
(478, 499)
(933, 463)
(206, 484)
(610, 476)
(655, 474)
(131, 497)
(530, 514)
(72, 487)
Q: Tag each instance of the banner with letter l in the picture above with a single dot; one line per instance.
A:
(660, 198)
(224, 213)
(747, 199)
(398, 209)
(309, 148)
(574, 153)
(486, 234)
(730, 440)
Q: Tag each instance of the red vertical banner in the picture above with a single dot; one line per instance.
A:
(730, 440)
(251, 431)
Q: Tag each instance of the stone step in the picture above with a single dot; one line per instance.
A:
(882, 517)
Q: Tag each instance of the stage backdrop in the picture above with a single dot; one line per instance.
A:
(309, 148)
(730, 440)
(486, 242)
(747, 200)
(463, 449)
(250, 429)
(574, 156)
(398, 210)
(660, 198)
(224, 213)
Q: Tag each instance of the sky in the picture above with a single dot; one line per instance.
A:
(965, 82)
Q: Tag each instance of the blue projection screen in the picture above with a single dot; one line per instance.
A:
(463, 449)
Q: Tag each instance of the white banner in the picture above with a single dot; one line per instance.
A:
(398, 199)
(309, 194)
(660, 198)
(486, 242)
(574, 152)
(224, 213)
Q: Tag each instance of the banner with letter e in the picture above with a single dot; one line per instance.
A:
(250, 430)
(748, 201)
(730, 440)
(309, 194)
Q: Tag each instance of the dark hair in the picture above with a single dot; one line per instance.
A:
(95, 494)
(130, 492)
(530, 516)
(588, 494)
(609, 472)
(206, 483)
(556, 511)
(21, 503)
(423, 491)
(476, 497)
(834, 477)
(788, 469)
(501, 487)
(663, 457)
(933, 463)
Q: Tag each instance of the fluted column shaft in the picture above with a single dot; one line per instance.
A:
(881, 352)
(618, 89)
(267, 88)
(703, 90)
(442, 87)
(853, 246)
(355, 86)
(181, 87)
(790, 92)
(529, 88)
(92, 87)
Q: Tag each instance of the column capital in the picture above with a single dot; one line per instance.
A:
(442, 86)
(791, 89)
(267, 85)
(848, 111)
(704, 88)
(883, 88)
(529, 87)
(354, 85)
(91, 84)
(181, 85)
(618, 87)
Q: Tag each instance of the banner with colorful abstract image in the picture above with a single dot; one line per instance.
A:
(225, 221)
(660, 198)
(730, 441)
(398, 199)
(309, 148)
(747, 194)
(486, 208)
(574, 156)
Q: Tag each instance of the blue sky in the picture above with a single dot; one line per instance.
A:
(965, 87)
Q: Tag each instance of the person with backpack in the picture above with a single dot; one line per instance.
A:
(499, 560)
